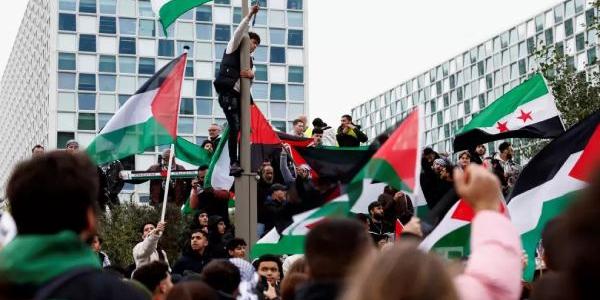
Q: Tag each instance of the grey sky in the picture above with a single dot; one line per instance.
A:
(358, 49)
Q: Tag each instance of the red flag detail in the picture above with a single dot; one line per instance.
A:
(589, 161)
(399, 229)
(165, 106)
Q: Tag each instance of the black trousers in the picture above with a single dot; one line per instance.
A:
(230, 103)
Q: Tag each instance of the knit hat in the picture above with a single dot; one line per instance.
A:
(440, 161)
(69, 142)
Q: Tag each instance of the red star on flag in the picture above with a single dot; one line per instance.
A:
(502, 126)
(524, 116)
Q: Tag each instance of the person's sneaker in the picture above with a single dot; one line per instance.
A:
(235, 170)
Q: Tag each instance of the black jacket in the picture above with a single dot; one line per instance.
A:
(191, 261)
(93, 285)
(346, 140)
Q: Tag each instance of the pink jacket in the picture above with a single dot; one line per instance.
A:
(494, 267)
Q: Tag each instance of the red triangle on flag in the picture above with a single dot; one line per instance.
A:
(398, 229)
(465, 212)
(589, 161)
(261, 130)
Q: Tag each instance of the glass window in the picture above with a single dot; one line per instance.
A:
(127, 26)
(261, 73)
(145, 8)
(278, 55)
(589, 17)
(66, 5)
(66, 101)
(222, 33)
(86, 101)
(108, 6)
(295, 19)
(296, 74)
(277, 18)
(277, 110)
(569, 27)
(189, 68)
(204, 13)
(260, 90)
(86, 121)
(146, 66)
(67, 22)
(127, 45)
(106, 103)
(87, 42)
(569, 9)
(295, 37)
(107, 83)
(222, 2)
(549, 37)
(126, 64)
(147, 27)
(88, 6)
(87, 82)
(180, 49)
(539, 23)
(294, 4)
(204, 88)
(278, 36)
(204, 107)
(185, 125)
(277, 92)
(103, 119)
(108, 25)
(170, 31)
(260, 54)
(123, 99)
(165, 48)
(237, 15)
(62, 138)
(219, 50)
(66, 81)
(187, 106)
(580, 41)
(296, 92)
(66, 61)
(204, 31)
(591, 55)
(107, 64)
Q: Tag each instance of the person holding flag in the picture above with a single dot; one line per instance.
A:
(227, 84)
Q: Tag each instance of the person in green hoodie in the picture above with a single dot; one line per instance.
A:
(53, 201)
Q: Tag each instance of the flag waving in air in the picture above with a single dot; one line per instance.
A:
(169, 10)
(551, 181)
(527, 111)
(148, 118)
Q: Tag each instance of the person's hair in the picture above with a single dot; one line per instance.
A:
(150, 275)
(333, 246)
(37, 146)
(215, 124)
(298, 266)
(198, 230)
(52, 193)
(460, 154)
(317, 131)
(290, 284)
(377, 277)
(269, 257)
(254, 36)
(296, 121)
(428, 150)
(90, 240)
(144, 225)
(192, 290)
(206, 142)
(203, 167)
(222, 276)
(373, 205)
(234, 243)
(363, 218)
(552, 239)
(503, 146)
(349, 117)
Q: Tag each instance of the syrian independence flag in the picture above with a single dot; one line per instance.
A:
(397, 163)
(551, 181)
(147, 119)
(451, 237)
(291, 239)
(527, 111)
(169, 10)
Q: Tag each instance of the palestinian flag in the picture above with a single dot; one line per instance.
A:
(147, 119)
(191, 153)
(451, 237)
(217, 176)
(338, 163)
(397, 163)
(169, 10)
(551, 181)
(527, 111)
(291, 239)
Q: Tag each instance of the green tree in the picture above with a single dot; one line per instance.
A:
(121, 230)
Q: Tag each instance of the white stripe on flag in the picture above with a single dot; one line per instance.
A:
(136, 110)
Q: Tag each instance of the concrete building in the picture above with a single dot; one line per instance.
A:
(74, 62)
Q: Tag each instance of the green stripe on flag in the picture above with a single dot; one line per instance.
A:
(455, 244)
(215, 158)
(289, 244)
(127, 141)
(191, 153)
(171, 10)
(531, 89)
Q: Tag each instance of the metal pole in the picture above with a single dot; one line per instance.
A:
(245, 186)
(167, 183)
